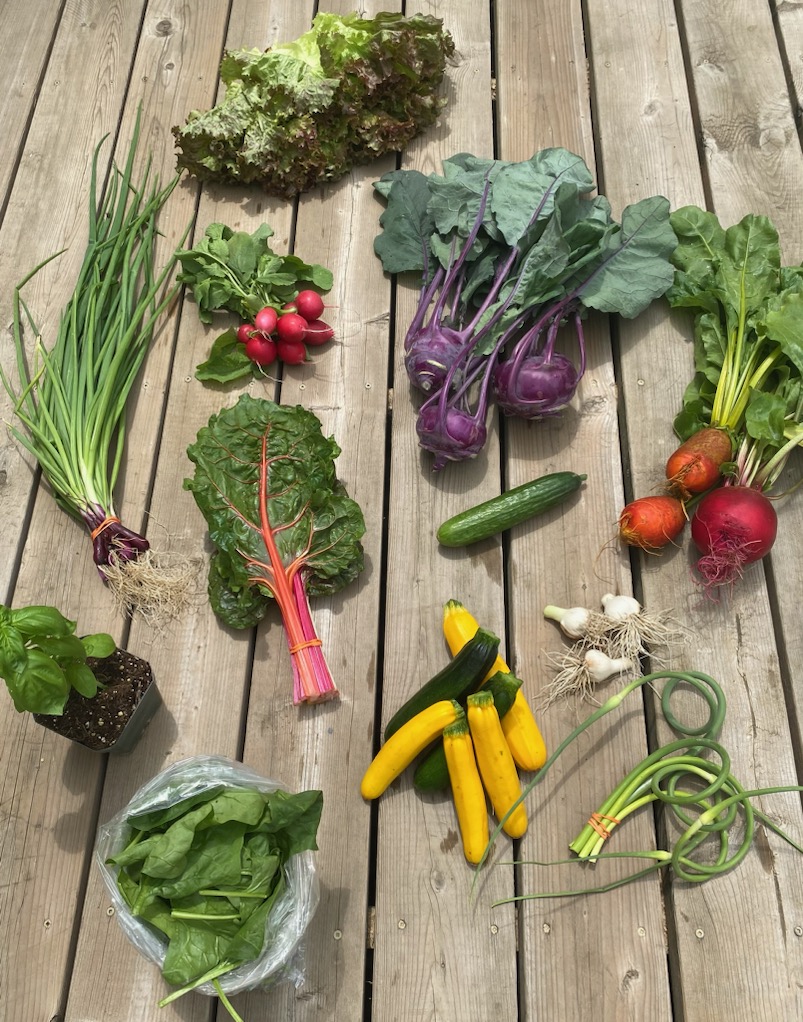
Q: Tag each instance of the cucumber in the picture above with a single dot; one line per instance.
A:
(458, 679)
(432, 774)
(508, 509)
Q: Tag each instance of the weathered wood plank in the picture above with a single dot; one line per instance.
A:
(27, 33)
(786, 570)
(731, 944)
(330, 746)
(567, 558)
(437, 955)
(732, 640)
(49, 804)
(205, 669)
(34, 230)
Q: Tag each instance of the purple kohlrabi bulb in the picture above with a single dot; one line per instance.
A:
(539, 388)
(456, 436)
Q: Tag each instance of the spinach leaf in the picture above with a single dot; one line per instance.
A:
(207, 872)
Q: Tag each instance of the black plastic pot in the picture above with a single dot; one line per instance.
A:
(114, 719)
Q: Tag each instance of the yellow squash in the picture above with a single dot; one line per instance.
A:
(519, 725)
(495, 762)
(467, 790)
(404, 745)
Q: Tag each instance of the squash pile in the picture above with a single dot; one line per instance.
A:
(476, 729)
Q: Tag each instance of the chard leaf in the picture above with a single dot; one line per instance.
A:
(241, 604)
(765, 418)
(312, 521)
(784, 324)
(634, 269)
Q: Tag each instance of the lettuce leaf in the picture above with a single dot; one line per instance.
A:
(306, 111)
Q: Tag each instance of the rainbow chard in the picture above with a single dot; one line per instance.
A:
(283, 526)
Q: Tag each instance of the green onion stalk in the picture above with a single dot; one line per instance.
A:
(72, 401)
(706, 799)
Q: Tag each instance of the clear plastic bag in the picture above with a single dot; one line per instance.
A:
(282, 956)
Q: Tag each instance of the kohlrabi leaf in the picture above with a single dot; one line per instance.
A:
(526, 191)
(406, 222)
(634, 268)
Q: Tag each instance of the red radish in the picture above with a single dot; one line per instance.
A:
(291, 327)
(261, 349)
(292, 352)
(732, 527)
(652, 522)
(244, 331)
(309, 304)
(318, 332)
(696, 465)
(265, 320)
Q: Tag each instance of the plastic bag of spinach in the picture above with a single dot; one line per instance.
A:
(210, 872)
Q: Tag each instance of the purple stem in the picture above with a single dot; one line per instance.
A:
(114, 538)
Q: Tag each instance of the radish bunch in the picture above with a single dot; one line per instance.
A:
(285, 335)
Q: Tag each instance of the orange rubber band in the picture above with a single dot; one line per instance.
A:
(104, 525)
(597, 823)
(303, 645)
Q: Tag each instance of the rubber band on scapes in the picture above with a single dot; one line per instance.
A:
(598, 822)
(303, 645)
(111, 520)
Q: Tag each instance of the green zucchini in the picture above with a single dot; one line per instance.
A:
(508, 509)
(432, 774)
(461, 676)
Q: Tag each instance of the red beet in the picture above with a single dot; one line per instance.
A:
(732, 527)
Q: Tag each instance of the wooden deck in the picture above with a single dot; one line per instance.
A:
(694, 99)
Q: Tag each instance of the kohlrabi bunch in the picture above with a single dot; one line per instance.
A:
(508, 253)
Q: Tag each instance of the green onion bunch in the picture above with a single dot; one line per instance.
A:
(71, 401)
